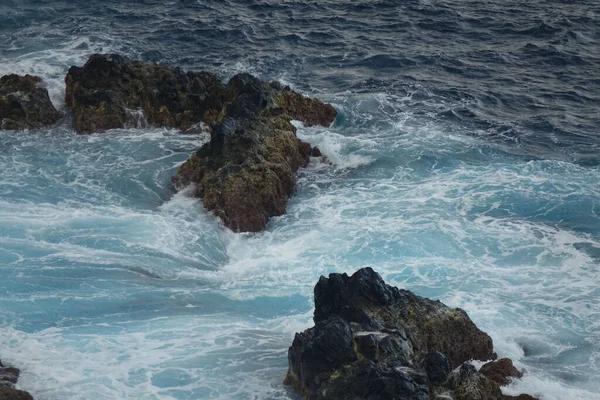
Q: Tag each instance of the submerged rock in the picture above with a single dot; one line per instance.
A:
(24, 104)
(375, 341)
(246, 173)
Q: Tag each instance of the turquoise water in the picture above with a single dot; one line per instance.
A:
(115, 286)
(464, 167)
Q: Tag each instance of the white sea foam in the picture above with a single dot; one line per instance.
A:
(52, 64)
(114, 285)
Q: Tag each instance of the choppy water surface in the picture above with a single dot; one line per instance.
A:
(465, 169)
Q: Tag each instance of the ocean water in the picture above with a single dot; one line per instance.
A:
(465, 167)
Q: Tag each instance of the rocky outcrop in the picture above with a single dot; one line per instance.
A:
(375, 341)
(112, 91)
(246, 173)
(24, 104)
(466, 383)
(8, 379)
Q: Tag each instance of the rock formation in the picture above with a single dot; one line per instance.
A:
(24, 104)
(375, 341)
(8, 379)
(110, 90)
(246, 173)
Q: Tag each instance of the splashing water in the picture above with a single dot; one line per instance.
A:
(114, 287)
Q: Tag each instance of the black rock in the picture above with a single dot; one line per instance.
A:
(374, 341)
(318, 351)
(437, 367)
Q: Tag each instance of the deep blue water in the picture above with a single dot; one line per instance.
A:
(466, 168)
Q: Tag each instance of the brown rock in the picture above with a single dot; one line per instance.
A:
(24, 104)
(468, 384)
(245, 174)
(500, 371)
(309, 111)
(110, 90)
(9, 374)
(7, 393)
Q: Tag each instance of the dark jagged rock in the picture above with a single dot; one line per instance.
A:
(366, 299)
(468, 384)
(437, 367)
(375, 341)
(246, 173)
(8, 374)
(8, 378)
(24, 104)
(316, 152)
(109, 89)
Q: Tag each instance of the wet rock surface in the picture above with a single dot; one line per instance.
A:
(25, 104)
(375, 341)
(8, 378)
(112, 91)
(501, 371)
(246, 173)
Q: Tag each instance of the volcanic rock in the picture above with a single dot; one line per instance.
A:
(375, 341)
(110, 91)
(246, 173)
(24, 104)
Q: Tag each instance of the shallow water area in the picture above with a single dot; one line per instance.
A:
(464, 167)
